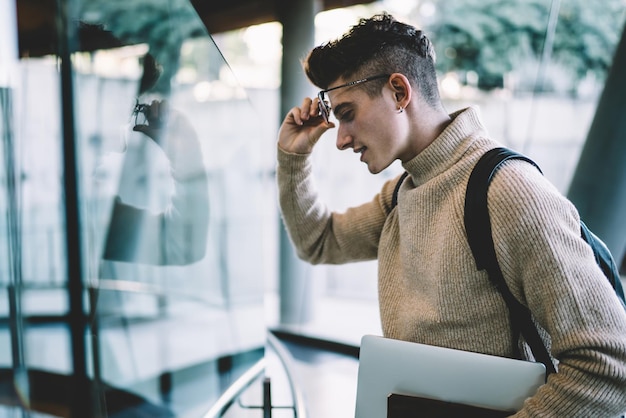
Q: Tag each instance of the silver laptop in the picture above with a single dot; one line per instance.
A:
(389, 366)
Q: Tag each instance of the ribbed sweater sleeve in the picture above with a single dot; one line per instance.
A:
(319, 235)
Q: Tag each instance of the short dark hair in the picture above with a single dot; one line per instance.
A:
(378, 45)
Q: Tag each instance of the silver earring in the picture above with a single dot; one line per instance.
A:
(400, 109)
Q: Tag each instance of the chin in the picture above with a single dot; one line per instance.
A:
(374, 170)
(377, 168)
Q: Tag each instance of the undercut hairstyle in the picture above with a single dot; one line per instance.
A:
(378, 45)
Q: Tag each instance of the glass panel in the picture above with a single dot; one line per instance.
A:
(170, 191)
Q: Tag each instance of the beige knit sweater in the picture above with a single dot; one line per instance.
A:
(429, 289)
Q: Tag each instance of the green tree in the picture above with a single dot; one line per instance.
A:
(161, 24)
(496, 37)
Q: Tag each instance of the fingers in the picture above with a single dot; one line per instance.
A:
(302, 128)
(301, 114)
(151, 132)
(309, 109)
(157, 112)
(305, 116)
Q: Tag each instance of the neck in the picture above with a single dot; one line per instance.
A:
(427, 124)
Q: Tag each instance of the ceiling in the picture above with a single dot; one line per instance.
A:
(37, 31)
(224, 15)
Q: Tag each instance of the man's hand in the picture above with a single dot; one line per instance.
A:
(175, 135)
(302, 128)
(156, 114)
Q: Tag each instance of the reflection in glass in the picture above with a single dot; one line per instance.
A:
(170, 191)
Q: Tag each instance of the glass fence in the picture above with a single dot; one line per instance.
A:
(130, 217)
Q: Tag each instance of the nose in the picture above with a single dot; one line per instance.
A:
(344, 141)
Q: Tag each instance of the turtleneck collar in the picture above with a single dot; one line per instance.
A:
(448, 147)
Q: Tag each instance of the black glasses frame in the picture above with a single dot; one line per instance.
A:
(323, 105)
(140, 108)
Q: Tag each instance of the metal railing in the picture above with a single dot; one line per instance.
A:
(235, 390)
(247, 379)
(285, 358)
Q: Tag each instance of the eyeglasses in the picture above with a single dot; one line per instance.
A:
(323, 105)
(140, 113)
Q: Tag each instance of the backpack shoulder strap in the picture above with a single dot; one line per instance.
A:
(394, 198)
(605, 260)
(477, 223)
(478, 229)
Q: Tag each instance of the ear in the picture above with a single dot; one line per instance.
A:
(402, 89)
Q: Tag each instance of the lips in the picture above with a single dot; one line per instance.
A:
(361, 151)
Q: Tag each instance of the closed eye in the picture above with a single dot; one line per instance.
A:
(345, 116)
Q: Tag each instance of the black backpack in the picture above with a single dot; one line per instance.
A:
(478, 229)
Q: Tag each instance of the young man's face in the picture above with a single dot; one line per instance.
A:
(371, 126)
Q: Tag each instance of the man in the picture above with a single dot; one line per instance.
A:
(380, 79)
(173, 232)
